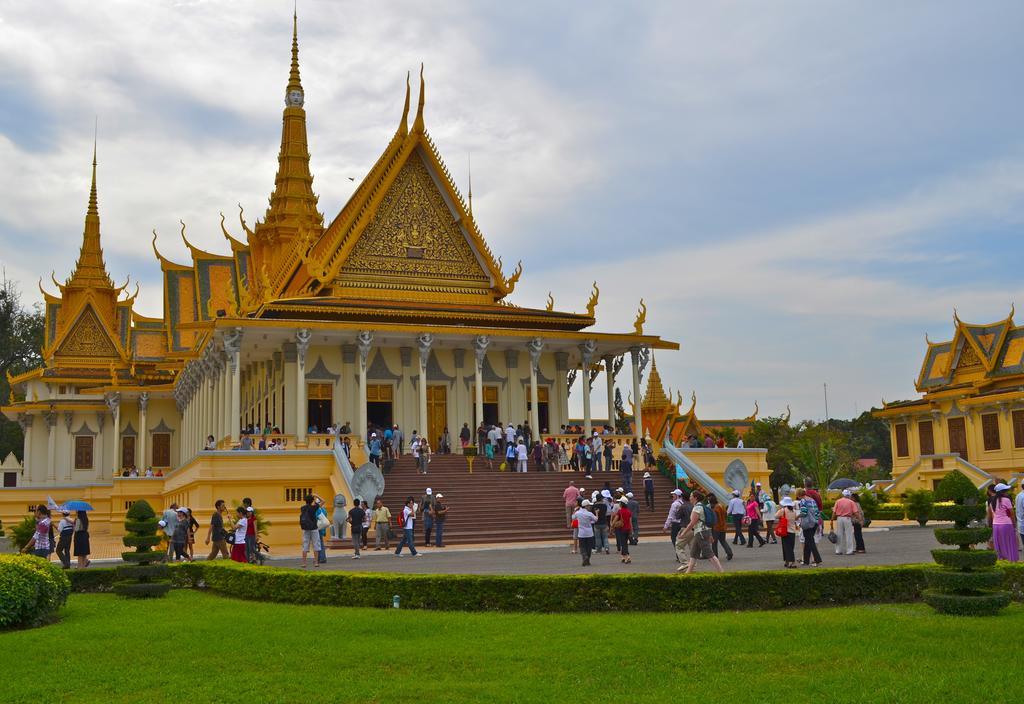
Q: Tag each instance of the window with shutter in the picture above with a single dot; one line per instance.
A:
(990, 431)
(926, 436)
(902, 447)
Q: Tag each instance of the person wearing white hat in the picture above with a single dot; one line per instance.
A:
(787, 528)
(180, 536)
(634, 509)
(649, 491)
(698, 535)
(622, 522)
(678, 517)
(737, 510)
(843, 513)
(65, 530)
(585, 521)
(1001, 513)
(602, 510)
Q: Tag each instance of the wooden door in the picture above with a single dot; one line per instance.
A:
(162, 450)
(128, 452)
(957, 437)
(437, 414)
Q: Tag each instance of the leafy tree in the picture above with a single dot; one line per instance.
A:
(775, 434)
(622, 421)
(21, 339)
(822, 454)
(730, 435)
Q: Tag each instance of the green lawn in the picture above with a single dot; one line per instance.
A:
(195, 647)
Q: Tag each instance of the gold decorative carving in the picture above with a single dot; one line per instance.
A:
(414, 233)
(87, 338)
(968, 358)
(641, 318)
(592, 303)
(551, 302)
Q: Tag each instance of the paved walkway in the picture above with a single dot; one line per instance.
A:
(652, 555)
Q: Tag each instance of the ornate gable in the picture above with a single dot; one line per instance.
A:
(414, 237)
(88, 338)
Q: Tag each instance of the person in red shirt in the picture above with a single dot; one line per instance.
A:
(813, 493)
(623, 522)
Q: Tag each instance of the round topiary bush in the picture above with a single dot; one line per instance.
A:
(32, 590)
(144, 573)
(968, 584)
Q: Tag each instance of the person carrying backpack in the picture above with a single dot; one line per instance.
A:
(810, 518)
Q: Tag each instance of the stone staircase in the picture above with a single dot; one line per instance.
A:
(489, 506)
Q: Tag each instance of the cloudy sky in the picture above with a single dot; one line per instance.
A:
(799, 190)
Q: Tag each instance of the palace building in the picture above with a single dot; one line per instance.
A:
(970, 416)
(391, 311)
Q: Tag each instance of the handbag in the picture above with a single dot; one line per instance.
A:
(746, 520)
(832, 537)
(616, 522)
(322, 522)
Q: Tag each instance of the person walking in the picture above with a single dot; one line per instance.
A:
(626, 468)
(382, 524)
(81, 546)
(569, 497)
(858, 525)
(648, 486)
(718, 534)
(843, 513)
(65, 531)
(216, 532)
(1018, 506)
(41, 542)
(355, 518)
(597, 447)
(310, 532)
(464, 435)
(1001, 511)
(180, 538)
(736, 510)
(810, 520)
(408, 523)
(678, 516)
(585, 522)
(699, 535)
(753, 520)
(170, 519)
(426, 503)
(251, 528)
(768, 511)
(622, 524)
(601, 525)
(321, 520)
(787, 519)
(634, 509)
(522, 456)
(440, 512)
(238, 552)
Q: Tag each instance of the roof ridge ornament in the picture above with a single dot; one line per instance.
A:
(403, 126)
(418, 125)
(641, 318)
(592, 303)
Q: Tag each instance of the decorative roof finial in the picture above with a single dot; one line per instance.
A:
(592, 303)
(417, 125)
(641, 318)
(93, 204)
(293, 93)
(551, 302)
(469, 162)
(403, 127)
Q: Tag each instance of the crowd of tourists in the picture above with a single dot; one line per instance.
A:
(70, 538)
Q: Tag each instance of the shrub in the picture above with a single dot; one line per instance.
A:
(144, 574)
(961, 515)
(868, 504)
(919, 503)
(962, 536)
(956, 487)
(22, 532)
(32, 590)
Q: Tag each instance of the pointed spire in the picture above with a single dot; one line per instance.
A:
(417, 125)
(294, 81)
(90, 269)
(403, 127)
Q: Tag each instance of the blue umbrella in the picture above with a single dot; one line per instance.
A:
(839, 484)
(77, 506)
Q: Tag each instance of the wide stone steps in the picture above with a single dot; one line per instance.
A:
(490, 506)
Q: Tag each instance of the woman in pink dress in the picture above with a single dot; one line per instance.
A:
(1003, 520)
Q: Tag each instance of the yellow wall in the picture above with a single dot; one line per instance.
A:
(264, 477)
(715, 460)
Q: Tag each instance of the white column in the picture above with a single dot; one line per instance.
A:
(225, 397)
(101, 421)
(535, 347)
(634, 354)
(302, 338)
(364, 341)
(587, 350)
(423, 343)
(480, 345)
(609, 362)
(116, 418)
(233, 348)
(140, 447)
(51, 447)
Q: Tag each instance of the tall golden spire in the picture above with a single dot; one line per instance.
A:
(292, 203)
(90, 269)
(655, 396)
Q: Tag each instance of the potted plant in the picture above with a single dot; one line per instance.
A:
(919, 503)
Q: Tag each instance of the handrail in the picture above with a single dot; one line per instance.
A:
(344, 466)
(677, 456)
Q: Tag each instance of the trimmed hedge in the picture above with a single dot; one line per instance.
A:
(985, 604)
(959, 514)
(32, 590)
(964, 581)
(962, 536)
(558, 593)
(965, 559)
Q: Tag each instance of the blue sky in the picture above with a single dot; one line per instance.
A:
(799, 190)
